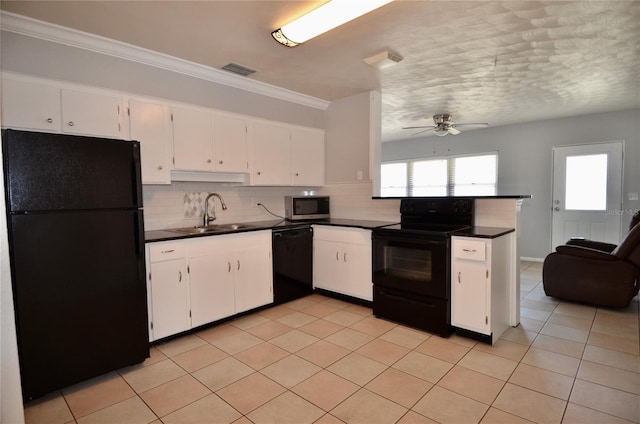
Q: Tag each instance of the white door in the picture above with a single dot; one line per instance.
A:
(87, 113)
(169, 298)
(150, 125)
(192, 139)
(587, 192)
(230, 142)
(271, 154)
(307, 151)
(253, 270)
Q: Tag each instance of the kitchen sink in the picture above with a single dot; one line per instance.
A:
(211, 229)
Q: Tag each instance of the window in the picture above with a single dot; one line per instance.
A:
(586, 182)
(448, 176)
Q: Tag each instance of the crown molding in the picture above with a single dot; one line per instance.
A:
(82, 40)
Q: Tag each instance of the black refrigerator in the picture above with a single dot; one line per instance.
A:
(76, 243)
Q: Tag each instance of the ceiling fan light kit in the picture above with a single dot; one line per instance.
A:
(325, 18)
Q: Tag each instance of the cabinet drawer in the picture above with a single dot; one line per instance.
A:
(342, 234)
(165, 251)
(469, 249)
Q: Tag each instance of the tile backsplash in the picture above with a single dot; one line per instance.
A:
(181, 204)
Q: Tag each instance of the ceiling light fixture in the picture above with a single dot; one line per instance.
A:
(326, 17)
(440, 132)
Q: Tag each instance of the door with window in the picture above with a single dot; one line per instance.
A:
(587, 192)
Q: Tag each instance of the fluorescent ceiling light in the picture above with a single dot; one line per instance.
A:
(326, 17)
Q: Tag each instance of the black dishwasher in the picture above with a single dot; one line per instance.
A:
(292, 263)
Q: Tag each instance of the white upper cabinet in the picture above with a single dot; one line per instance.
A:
(150, 124)
(284, 155)
(89, 113)
(179, 142)
(270, 154)
(192, 139)
(230, 143)
(307, 157)
(30, 105)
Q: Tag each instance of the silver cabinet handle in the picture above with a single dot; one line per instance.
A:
(220, 162)
(179, 276)
(168, 251)
(337, 259)
(259, 173)
(229, 268)
(208, 160)
(344, 256)
(459, 277)
(160, 168)
(49, 120)
(70, 123)
(238, 264)
(469, 250)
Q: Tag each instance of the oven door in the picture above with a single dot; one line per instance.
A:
(412, 263)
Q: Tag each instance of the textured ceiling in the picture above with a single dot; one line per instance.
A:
(500, 62)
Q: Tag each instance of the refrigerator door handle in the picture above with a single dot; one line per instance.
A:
(137, 172)
(139, 229)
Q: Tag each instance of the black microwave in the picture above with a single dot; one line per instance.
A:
(298, 208)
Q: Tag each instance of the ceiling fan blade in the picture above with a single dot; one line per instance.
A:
(419, 127)
(453, 131)
(472, 124)
(420, 132)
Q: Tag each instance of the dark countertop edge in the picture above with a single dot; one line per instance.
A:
(507, 196)
(166, 235)
(483, 232)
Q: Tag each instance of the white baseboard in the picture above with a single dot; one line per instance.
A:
(523, 258)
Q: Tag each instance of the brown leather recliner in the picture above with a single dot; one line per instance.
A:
(594, 272)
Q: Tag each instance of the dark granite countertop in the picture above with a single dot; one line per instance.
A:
(165, 235)
(483, 232)
(497, 196)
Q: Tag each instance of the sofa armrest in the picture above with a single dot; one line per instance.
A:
(591, 244)
(585, 252)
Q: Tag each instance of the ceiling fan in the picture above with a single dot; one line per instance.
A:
(444, 125)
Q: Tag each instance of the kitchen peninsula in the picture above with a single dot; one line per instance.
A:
(499, 211)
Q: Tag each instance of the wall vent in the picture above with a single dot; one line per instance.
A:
(238, 69)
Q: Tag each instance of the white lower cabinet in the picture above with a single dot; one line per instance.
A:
(480, 285)
(168, 289)
(342, 261)
(193, 282)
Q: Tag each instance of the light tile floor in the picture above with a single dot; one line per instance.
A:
(321, 360)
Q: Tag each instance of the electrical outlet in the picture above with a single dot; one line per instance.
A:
(359, 176)
(633, 196)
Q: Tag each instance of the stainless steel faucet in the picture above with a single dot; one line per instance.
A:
(206, 219)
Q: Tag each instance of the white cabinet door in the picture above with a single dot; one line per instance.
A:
(327, 266)
(88, 113)
(253, 270)
(169, 298)
(212, 289)
(271, 154)
(192, 139)
(230, 143)
(342, 261)
(30, 105)
(150, 125)
(307, 157)
(357, 262)
(470, 295)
